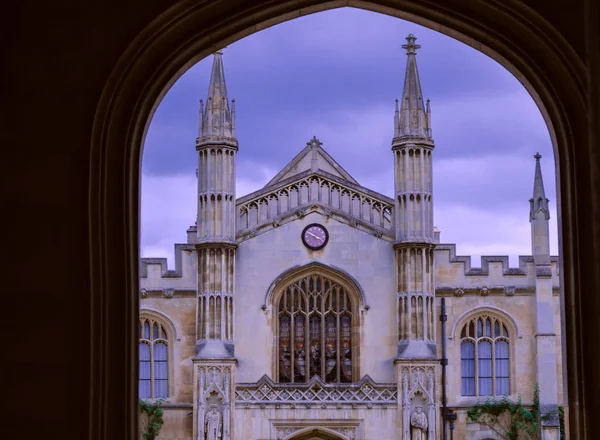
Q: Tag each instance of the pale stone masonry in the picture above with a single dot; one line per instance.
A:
(309, 309)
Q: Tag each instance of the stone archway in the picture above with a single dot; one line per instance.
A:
(316, 434)
(533, 50)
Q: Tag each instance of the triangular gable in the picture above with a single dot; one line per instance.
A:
(304, 162)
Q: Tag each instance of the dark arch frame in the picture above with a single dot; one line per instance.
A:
(534, 52)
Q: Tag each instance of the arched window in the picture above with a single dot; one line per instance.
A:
(315, 320)
(484, 355)
(154, 359)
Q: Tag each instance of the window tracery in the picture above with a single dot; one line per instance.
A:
(315, 320)
(154, 359)
(485, 358)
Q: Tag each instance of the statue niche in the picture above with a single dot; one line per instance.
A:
(418, 424)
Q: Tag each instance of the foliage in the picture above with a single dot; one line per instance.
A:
(153, 418)
(509, 419)
(561, 419)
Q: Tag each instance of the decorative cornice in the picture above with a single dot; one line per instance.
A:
(306, 174)
(215, 245)
(307, 208)
(459, 291)
(266, 392)
(147, 293)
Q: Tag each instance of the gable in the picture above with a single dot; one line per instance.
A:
(313, 157)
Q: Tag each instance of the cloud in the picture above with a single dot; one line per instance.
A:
(169, 208)
(317, 66)
(479, 232)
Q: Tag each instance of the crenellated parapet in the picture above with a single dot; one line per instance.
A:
(494, 276)
(314, 191)
(157, 278)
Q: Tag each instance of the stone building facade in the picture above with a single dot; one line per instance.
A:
(309, 309)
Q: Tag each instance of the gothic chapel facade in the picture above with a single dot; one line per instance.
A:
(309, 309)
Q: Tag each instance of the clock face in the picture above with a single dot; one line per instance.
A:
(315, 236)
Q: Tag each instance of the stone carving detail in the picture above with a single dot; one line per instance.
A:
(418, 404)
(484, 291)
(168, 293)
(214, 406)
(316, 192)
(509, 290)
(144, 293)
(276, 223)
(283, 432)
(266, 392)
(459, 291)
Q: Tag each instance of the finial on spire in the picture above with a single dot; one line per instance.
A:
(410, 46)
(314, 142)
(537, 156)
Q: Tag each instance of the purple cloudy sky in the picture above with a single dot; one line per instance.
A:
(335, 75)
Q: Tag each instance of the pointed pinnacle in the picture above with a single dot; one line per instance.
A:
(538, 182)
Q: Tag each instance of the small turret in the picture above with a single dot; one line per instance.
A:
(539, 214)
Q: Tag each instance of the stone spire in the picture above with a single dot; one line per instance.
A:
(539, 202)
(413, 119)
(217, 119)
(539, 214)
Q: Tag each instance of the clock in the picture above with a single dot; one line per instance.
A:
(315, 236)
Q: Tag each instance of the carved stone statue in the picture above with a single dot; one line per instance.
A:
(213, 424)
(418, 423)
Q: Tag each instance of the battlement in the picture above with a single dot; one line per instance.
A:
(154, 272)
(457, 270)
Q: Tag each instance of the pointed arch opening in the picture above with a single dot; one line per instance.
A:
(319, 433)
(316, 326)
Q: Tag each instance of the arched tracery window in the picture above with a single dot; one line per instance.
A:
(315, 318)
(484, 353)
(154, 359)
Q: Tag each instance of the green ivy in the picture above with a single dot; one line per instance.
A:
(154, 418)
(508, 418)
(561, 420)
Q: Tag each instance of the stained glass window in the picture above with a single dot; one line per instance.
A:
(484, 352)
(154, 362)
(315, 320)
